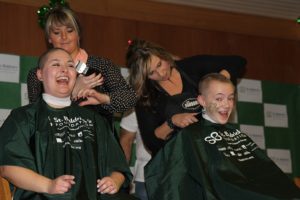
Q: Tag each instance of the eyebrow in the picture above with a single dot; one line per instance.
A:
(54, 59)
(156, 65)
(58, 60)
(232, 94)
(71, 62)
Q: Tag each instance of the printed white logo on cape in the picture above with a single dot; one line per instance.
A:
(213, 138)
(190, 104)
(236, 144)
(72, 131)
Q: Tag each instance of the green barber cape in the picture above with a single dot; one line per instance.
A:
(53, 142)
(207, 161)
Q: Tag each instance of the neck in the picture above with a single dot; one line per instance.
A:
(170, 79)
(173, 85)
(57, 102)
(75, 53)
(80, 55)
(208, 118)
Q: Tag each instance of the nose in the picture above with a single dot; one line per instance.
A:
(63, 35)
(64, 68)
(226, 103)
(160, 72)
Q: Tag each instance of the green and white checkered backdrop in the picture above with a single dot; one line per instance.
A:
(268, 112)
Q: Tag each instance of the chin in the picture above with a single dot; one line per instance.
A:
(223, 121)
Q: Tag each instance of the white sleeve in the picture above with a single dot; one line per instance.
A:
(129, 122)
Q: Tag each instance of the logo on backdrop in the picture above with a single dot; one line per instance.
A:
(276, 115)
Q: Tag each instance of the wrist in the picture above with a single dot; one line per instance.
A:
(171, 124)
(46, 187)
(118, 179)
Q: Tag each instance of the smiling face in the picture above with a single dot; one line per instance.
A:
(159, 69)
(218, 100)
(57, 73)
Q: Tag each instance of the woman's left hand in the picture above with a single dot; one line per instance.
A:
(107, 185)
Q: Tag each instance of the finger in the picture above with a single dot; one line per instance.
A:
(63, 186)
(99, 76)
(194, 119)
(85, 102)
(80, 94)
(66, 186)
(108, 189)
(96, 83)
(113, 191)
(68, 177)
(186, 123)
(101, 182)
(90, 77)
(93, 81)
(85, 93)
(74, 98)
(102, 188)
(102, 80)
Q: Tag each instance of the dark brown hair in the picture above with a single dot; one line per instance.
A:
(138, 59)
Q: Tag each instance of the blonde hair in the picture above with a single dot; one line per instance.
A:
(208, 78)
(138, 60)
(61, 16)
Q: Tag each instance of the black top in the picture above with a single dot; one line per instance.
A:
(122, 96)
(191, 69)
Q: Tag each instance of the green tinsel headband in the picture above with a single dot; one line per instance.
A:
(45, 9)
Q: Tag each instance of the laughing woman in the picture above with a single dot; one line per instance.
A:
(55, 149)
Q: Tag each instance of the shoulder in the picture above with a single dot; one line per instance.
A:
(32, 72)
(193, 58)
(98, 60)
(129, 119)
(24, 112)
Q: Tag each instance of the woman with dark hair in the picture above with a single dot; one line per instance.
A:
(167, 88)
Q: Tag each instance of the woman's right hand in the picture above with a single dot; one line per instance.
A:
(93, 97)
(86, 82)
(182, 120)
(61, 184)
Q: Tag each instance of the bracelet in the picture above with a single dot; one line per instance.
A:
(171, 124)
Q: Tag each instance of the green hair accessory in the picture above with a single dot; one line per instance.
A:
(44, 10)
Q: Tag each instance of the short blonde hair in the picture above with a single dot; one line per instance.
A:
(61, 16)
(208, 78)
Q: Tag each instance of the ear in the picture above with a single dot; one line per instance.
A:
(50, 41)
(201, 100)
(39, 74)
